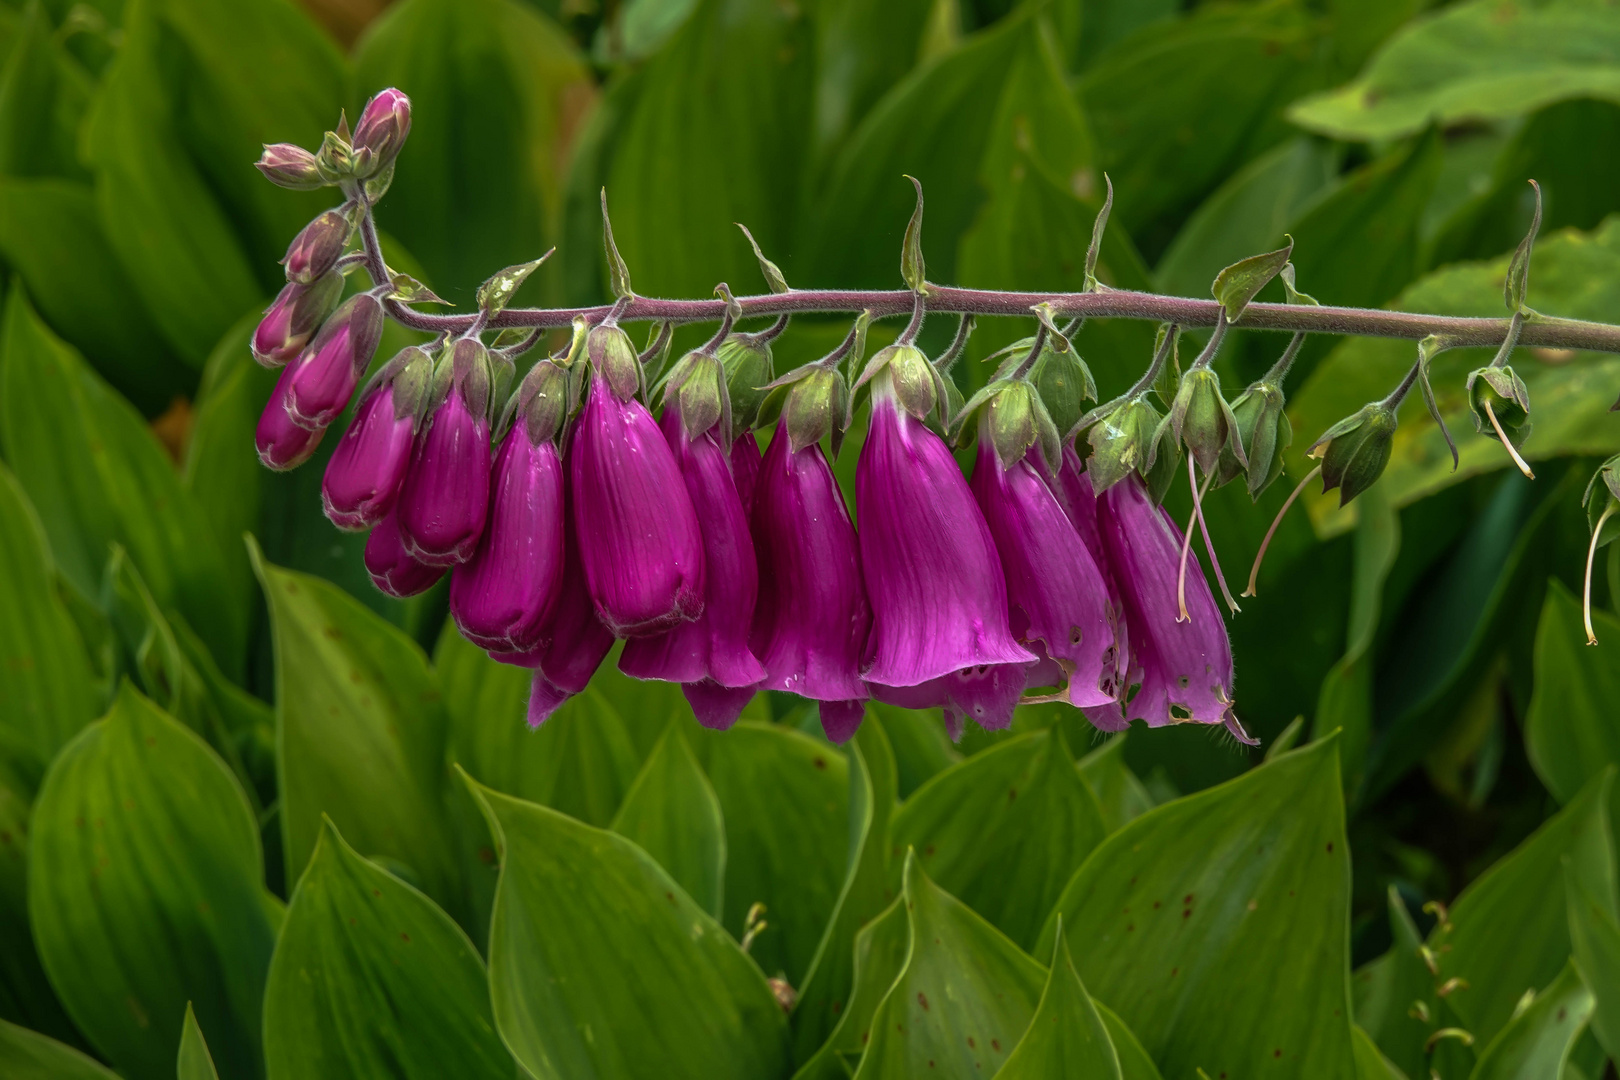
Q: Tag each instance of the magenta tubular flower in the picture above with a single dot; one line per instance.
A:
(745, 468)
(1186, 667)
(326, 379)
(812, 618)
(282, 444)
(1074, 491)
(293, 316)
(391, 567)
(639, 536)
(1058, 603)
(939, 602)
(363, 478)
(709, 655)
(444, 501)
(500, 598)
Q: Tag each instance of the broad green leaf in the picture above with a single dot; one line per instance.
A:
(43, 93)
(28, 1055)
(786, 802)
(641, 26)
(963, 999)
(145, 890)
(921, 747)
(26, 996)
(1120, 795)
(48, 688)
(1371, 1064)
(480, 74)
(50, 235)
(1088, 28)
(1066, 1036)
(717, 134)
(97, 476)
(1572, 274)
(176, 242)
(1249, 212)
(1216, 923)
(602, 967)
(1572, 730)
(1005, 830)
(371, 978)
(1474, 61)
(1538, 1040)
(195, 1062)
(673, 814)
(880, 954)
(1508, 932)
(1594, 930)
(361, 733)
(1164, 134)
(222, 469)
(1386, 989)
(1134, 1063)
(830, 980)
(935, 125)
(862, 49)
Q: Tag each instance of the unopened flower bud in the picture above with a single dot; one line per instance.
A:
(444, 501)
(1201, 418)
(1355, 450)
(1264, 431)
(381, 132)
(295, 314)
(282, 444)
(748, 370)
(339, 355)
(316, 247)
(363, 478)
(289, 166)
(614, 358)
(391, 566)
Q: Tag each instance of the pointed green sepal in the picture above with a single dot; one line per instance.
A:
(1239, 283)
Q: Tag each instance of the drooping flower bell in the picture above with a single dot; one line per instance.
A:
(812, 619)
(282, 444)
(501, 597)
(1058, 603)
(366, 470)
(933, 578)
(392, 567)
(709, 656)
(745, 468)
(1185, 667)
(639, 537)
(444, 501)
(293, 317)
(337, 358)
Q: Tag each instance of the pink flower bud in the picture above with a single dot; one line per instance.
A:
(444, 502)
(317, 247)
(391, 567)
(282, 444)
(295, 314)
(382, 130)
(339, 355)
(363, 478)
(289, 166)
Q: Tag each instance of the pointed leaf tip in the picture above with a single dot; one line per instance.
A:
(1517, 286)
(1238, 284)
(911, 256)
(773, 273)
(618, 272)
(1098, 227)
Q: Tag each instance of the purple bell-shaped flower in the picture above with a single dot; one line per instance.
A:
(639, 537)
(282, 444)
(368, 466)
(745, 468)
(391, 566)
(444, 501)
(709, 655)
(1186, 667)
(502, 596)
(933, 577)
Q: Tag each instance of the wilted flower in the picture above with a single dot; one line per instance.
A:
(295, 314)
(1185, 667)
(391, 566)
(812, 618)
(709, 655)
(290, 166)
(317, 247)
(339, 355)
(367, 468)
(444, 501)
(939, 602)
(502, 596)
(639, 537)
(282, 444)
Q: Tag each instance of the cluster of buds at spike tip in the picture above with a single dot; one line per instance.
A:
(367, 154)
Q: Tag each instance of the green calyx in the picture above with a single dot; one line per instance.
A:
(543, 401)
(748, 370)
(696, 385)
(814, 408)
(470, 370)
(1264, 432)
(411, 374)
(614, 358)
(1508, 398)
(917, 386)
(1602, 502)
(1012, 418)
(1064, 383)
(1355, 451)
(1131, 437)
(1200, 418)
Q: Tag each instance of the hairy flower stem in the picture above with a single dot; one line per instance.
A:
(1591, 554)
(1254, 571)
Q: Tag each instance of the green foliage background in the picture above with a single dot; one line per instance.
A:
(257, 818)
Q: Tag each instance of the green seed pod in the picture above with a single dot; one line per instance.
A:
(1509, 401)
(1264, 432)
(748, 370)
(1355, 451)
(1065, 385)
(1201, 418)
